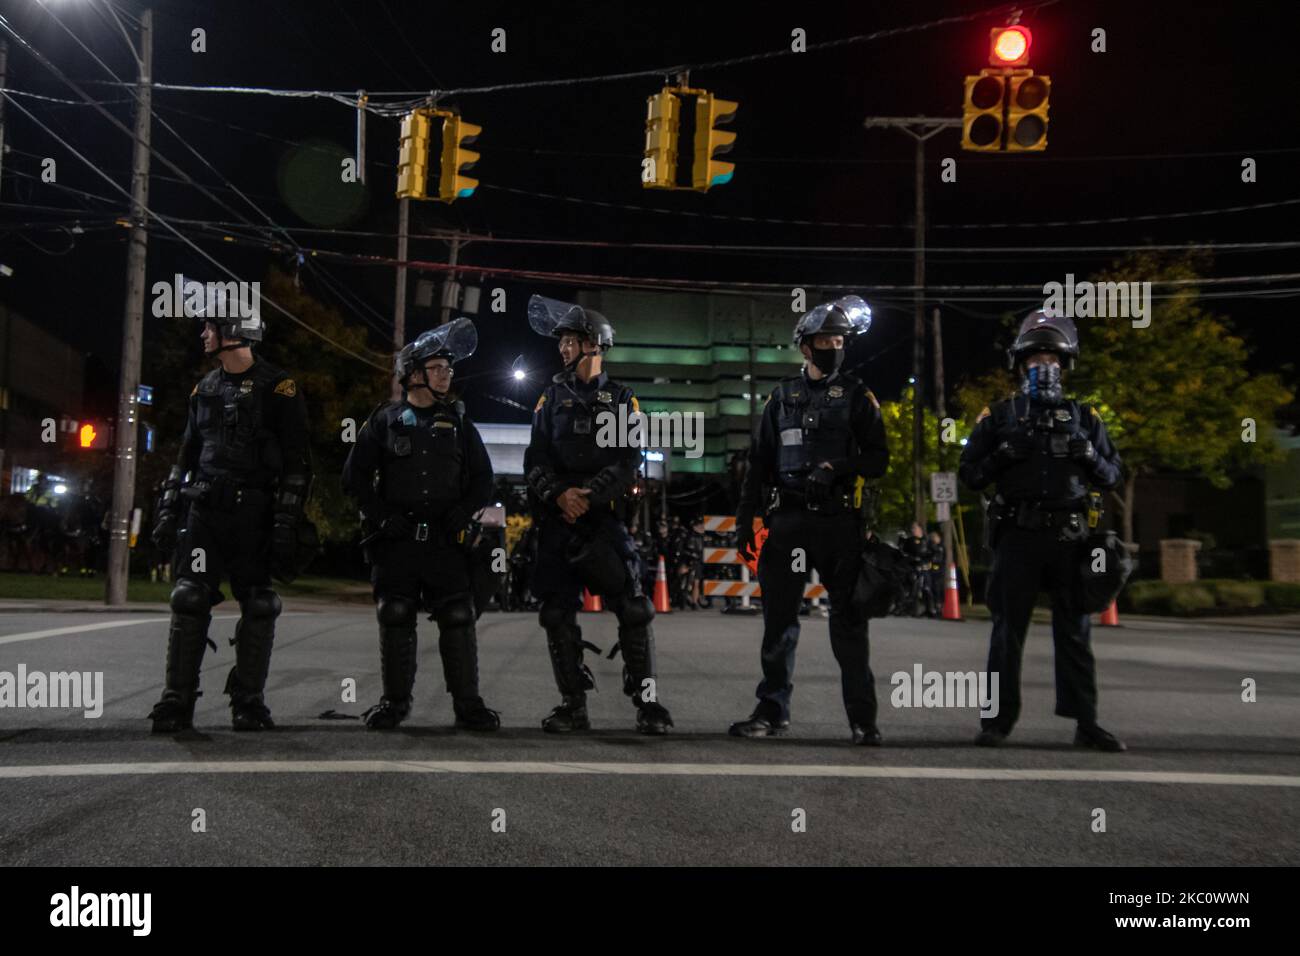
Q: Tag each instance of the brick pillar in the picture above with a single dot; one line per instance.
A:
(1178, 560)
(1284, 560)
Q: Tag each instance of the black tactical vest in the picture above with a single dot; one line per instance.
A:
(576, 421)
(1049, 476)
(813, 425)
(232, 419)
(424, 458)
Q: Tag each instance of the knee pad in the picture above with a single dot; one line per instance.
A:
(261, 603)
(190, 597)
(396, 612)
(553, 615)
(636, 612)
(457, 613)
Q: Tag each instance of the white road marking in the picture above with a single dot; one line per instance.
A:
(80, 628)
(77, 629)
(648, 769)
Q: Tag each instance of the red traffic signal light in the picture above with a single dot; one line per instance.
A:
(1009, 46)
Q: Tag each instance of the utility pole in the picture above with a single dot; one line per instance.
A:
(399, 299)
(4, 65)
(119, 544)
(920, 128)
(450, 285)
(941, 412)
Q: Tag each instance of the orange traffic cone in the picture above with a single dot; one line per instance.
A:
(591, 602)
(1110, 616)
(951, 596)
(661, 589)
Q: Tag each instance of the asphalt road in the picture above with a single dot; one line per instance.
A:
(1209, 779)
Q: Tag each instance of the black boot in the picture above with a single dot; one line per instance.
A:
(186, 641)
(636, 638)
(572, 678)
(397, 658)
(459, 649)
(765, 721)
(571, 715)
(254, 635)
(1090, 735)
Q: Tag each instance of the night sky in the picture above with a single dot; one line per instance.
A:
(1157, 124)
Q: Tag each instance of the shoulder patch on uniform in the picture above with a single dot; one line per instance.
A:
(872, 399)
(983, 415)
(540, 402)
(195, 390)
(1094, 412)
(287, 388)
(636, 406)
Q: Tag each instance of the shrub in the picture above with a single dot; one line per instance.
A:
(1282, 596)
(1191, 599)
(1237, 594)
(1145, 597)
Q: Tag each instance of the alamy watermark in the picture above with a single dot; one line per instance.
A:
(59, 689)
(922, 688)
(210, 300)
(1099, 300)
(654, 430)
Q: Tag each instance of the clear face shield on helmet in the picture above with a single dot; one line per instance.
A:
(454, 341)
(847, 316)
(1045, 345)
(554, 318)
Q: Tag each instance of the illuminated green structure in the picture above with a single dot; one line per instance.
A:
(720, 355)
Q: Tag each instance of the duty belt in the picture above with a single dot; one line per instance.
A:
(220, 495)
(835, 501)
(1030, 516)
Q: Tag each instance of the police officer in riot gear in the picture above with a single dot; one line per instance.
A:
(420, 472)
(1044, 453)
(820, 432)
(244, 470)
(579, 488)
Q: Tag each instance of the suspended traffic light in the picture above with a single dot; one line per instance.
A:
(671, 134)
(981, 128)
(456, 159)
(707, 171)
(659, 168)
(413, 156)
(1027, 113)
(1009, 46)
(1005, 109)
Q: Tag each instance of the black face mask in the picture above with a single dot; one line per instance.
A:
(828, 361)
(1043, 383)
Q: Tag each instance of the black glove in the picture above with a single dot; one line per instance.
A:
(1083, 451)
(396, 527)
(164, 532)
(745, 538)
(284, 542)
(1014, 448)
(818, 486)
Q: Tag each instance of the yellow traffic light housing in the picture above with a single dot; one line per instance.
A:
(706, 171)
(413, 156)
(659, 168)
(981, 127)
(456, 159)
(1027, 104)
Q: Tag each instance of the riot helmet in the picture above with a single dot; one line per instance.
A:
(454, 341)
(1045, 331)
(553, 318)
(848, 315)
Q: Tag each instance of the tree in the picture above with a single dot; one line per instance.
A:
(1176, 394)
(894, 501)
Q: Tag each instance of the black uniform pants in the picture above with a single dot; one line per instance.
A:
(431, 573)
(234, 541)
(832, 545)
(1025, 561)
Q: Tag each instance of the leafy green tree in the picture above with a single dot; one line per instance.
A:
(894, 501)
